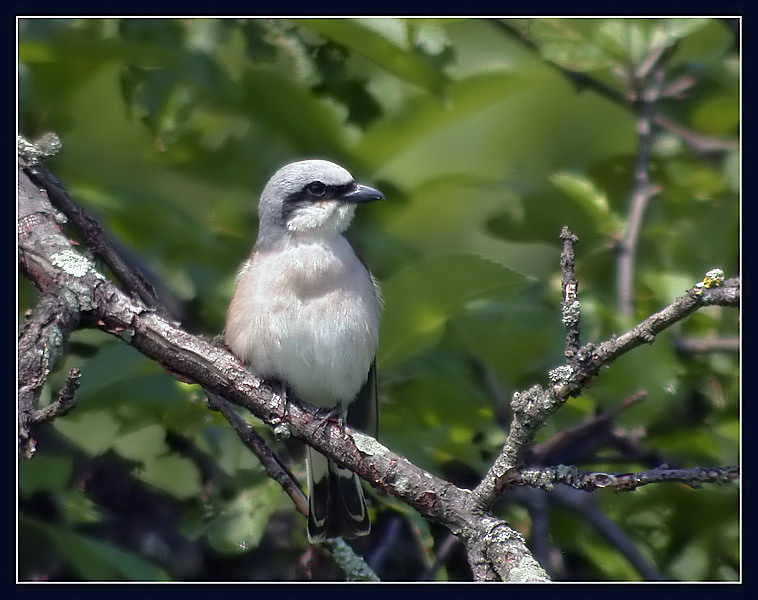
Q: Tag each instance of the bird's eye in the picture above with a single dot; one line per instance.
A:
(316, 189)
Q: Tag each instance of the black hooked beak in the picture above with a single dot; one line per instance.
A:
(361, 193)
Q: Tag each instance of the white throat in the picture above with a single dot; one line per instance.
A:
(326, 218)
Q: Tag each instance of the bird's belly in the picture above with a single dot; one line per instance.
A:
(309, 316)
(322, 347)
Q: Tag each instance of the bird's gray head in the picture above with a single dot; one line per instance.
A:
(314, 197)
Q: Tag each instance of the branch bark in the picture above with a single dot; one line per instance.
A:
(74, 292)
(95, 300)
(546, 478)
(532, 407)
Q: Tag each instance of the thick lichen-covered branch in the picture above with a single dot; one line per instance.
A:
(50, 261)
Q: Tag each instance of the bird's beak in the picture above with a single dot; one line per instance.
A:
(361, 193)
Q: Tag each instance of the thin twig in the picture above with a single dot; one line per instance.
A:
(591, 358)
(548, 477)
(613, 534)
(697, 142)
(570, 308)
(580, 80)
(643, 191)
(273, 466)
(532, 407)
(354, 566)
(96, 239)
(702, 346)
(63, 403)
(575, 443)
(444, 550)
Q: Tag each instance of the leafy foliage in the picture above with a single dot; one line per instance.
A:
(485, 142)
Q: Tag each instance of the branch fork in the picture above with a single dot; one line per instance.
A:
(73, 291)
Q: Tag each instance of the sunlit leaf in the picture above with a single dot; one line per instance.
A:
(176, 475)
(144, 443)
(93, 431)
(588, 198)
(570, 43)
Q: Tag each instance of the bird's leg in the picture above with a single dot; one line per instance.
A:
(280, 389)
(331, 413)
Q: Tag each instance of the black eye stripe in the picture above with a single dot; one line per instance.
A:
(338, 190)
(304, 196)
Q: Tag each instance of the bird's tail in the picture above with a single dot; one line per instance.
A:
(336, 505)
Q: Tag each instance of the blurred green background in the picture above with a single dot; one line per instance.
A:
(484, 145)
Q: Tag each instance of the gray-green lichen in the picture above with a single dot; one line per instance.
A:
(368, 445)
(46, 146)
(74, 264)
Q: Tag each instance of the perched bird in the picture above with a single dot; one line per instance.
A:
(306, 311)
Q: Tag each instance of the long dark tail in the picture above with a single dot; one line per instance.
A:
(336, 505)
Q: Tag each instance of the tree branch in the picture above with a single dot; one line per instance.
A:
(547, 477)
(63, 403)
(96, 239)
(255, 443)
(198, 360)
(584, 505)
(643, 191)
(532, 407)
(699, 143)
(495, 550)
(570, 312)
(47, 327)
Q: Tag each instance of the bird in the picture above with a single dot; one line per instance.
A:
(305, 312)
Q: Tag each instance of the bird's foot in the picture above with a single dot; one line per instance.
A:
(331, 414)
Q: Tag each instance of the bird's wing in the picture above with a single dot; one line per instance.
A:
(363, 412)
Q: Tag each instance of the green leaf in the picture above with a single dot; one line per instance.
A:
(690, 564)
(287, 107)
(422, 418)
(143, 443)
(487, 329)
(408, 66)
(93, 431)
(425, 117)
(705, 45)
(242, 523)
(668, 285)
(176, 475)
(422, 297)
(588, 198)
(718, 116)
(569, 43)
(79, 508)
